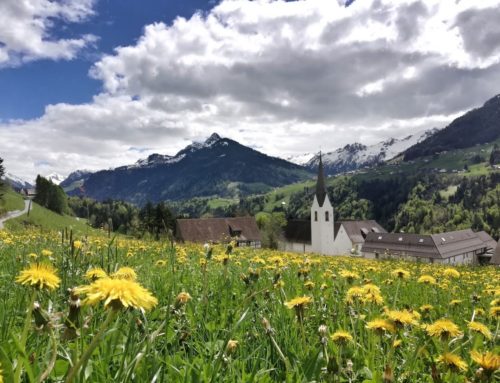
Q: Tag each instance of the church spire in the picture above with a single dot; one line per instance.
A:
(320, 184)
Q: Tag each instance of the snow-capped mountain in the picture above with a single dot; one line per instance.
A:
(216, 167)
(355, 156)
(16, 182)
(55, 178)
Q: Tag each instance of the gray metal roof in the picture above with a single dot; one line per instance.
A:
(444, 245)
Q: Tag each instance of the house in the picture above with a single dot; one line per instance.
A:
(243, 230)
(457, 247)
(28, 192)
(495, 260)
(321, 234)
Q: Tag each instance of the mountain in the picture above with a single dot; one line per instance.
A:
(16, 182)
(479, 126)
(216, 167)
(355, 156)
(55, 178)
(75, 180)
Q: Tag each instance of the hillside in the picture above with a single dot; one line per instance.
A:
(10, 201)
(479, 126)
(217, 167)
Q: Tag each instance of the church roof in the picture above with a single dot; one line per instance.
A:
(320, 183)
(358, 230)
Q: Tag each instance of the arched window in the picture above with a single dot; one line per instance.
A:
(316, 216)
(327, 216)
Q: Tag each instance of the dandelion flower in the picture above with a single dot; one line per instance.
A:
(309, 285)
(489, 361)
(95, 273)
(427, 280)
(401, 273)
(495, 311)
(78, 244)
(426, 308)
(455, 302)
(443, 328)
(118, 293)
(380, 326)
(452, 362)
(183, 298)
(480, 328)
(341, 337)
(298, 302)
(125, 273)
(232, 345)
(40, 276)
(451, 273)
(46, 253)
(402, 318)
(160, 263)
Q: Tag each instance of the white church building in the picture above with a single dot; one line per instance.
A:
(321, 234)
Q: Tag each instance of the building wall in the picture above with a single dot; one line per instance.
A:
(462, 259)
(295, 247)
(343, 244)
(322, 241)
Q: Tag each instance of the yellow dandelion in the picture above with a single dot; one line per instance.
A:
(452, 362)
(95, 273)
(183, 298)
(397, 343)
(402, 318)
(125, 273)
(232, 345)
(32, 256)
(455, 302)
(118, 293)
(426, 308)
(160, 263)
(443, 328)
(46, 253)
(480, 329)
(380, 326)
(451, 273)
(349, 275)
(40, 276)
(479, 312)
(298, 302)
(401, 273)
(341, 337)
(427, 279)
(495, 311)
(489, 361)
(309, 285)
(78, 244)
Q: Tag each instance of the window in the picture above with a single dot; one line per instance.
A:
(316, 216)
(327, 216)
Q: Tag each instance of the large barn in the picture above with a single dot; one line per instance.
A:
(456, 247)
(243, 230)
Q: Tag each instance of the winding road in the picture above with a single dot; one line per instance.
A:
(15, 213)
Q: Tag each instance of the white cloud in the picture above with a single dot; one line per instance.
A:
(25, 29)
(283, 77)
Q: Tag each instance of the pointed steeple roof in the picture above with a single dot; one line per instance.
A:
(320, 183)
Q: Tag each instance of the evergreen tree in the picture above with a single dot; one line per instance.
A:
(2, 173)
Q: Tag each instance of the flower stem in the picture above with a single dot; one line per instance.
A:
(24, 336)
(88, 352)
(53, 358)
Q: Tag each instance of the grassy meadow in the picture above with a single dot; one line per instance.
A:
(150, 312)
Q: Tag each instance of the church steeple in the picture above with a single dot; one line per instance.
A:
(320, 183)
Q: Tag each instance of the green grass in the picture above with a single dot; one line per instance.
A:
(11, 201)
(448, 192)
(45, 219)
(221, 202)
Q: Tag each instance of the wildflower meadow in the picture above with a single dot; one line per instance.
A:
(95, 309)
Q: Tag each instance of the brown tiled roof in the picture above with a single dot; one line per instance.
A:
(443, 245)
(358, 230)
(297, 230)
(217, 229)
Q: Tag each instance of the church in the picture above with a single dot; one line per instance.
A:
(321, 234)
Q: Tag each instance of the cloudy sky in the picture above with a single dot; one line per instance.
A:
(92, 84)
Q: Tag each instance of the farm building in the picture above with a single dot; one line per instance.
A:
(322, 234)
(243, 230)
(495, 260)
(457, 247)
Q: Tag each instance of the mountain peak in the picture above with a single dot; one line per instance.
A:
(213, 139)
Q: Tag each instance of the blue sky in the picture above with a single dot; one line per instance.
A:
(93, 84)
(27, 89)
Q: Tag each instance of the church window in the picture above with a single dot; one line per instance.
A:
(327, 216)
(316, 216)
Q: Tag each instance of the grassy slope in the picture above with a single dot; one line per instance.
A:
(48, 220)
(11, 201)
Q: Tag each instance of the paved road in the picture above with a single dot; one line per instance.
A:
(15, 213)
